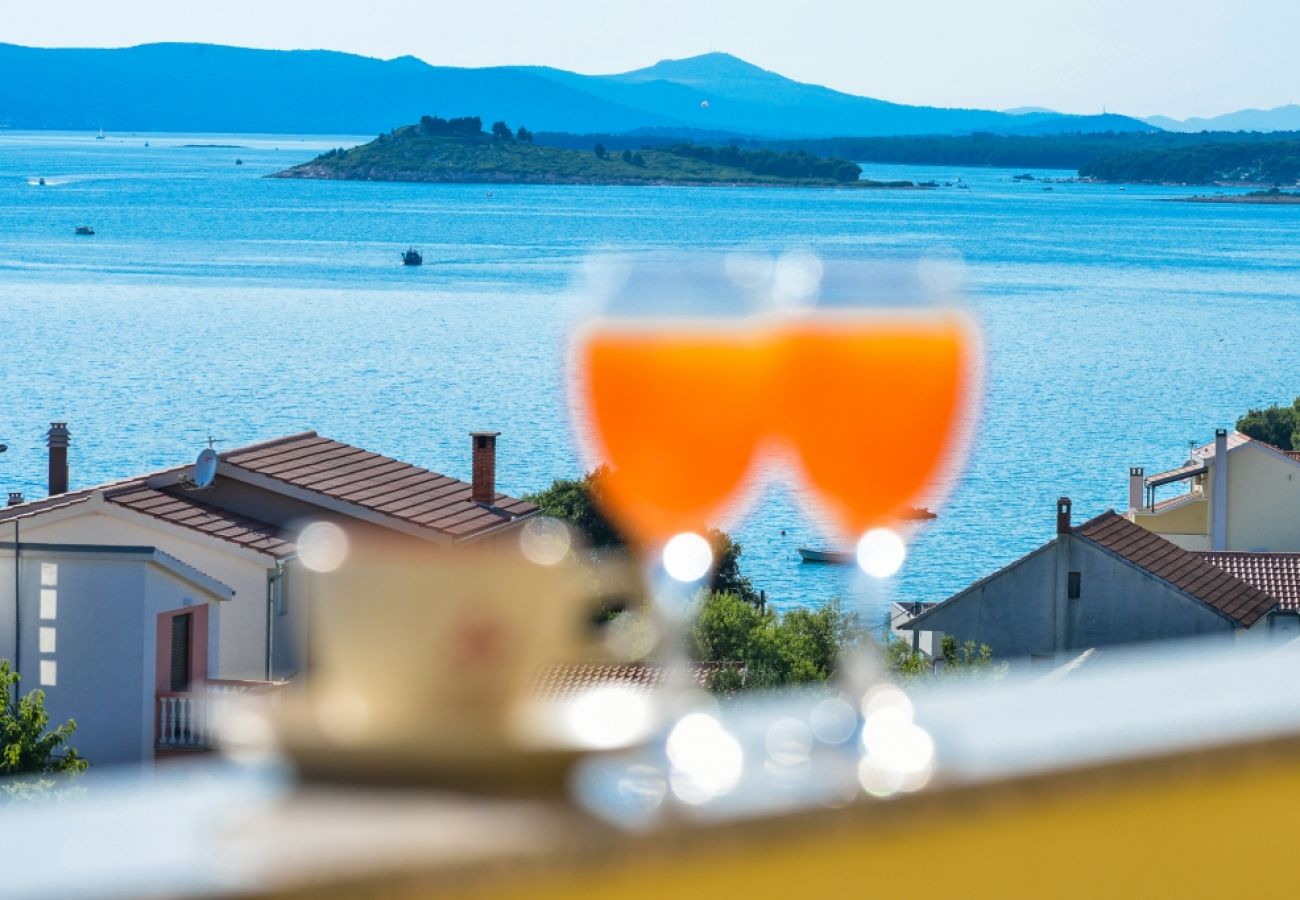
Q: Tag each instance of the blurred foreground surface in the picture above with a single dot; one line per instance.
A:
(1154, 772)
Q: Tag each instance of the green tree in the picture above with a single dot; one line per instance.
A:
(798, 646)
(578, 502)
(30, 747)
(501, 131)
(1276, 425)
(523, 134)
(600, 151)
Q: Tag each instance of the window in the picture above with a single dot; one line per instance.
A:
(49, 673)
(47, 639)
(1072, 586)
(180, 659)
(49, 574)
(49, 603)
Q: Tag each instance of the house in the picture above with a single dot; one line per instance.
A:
(1110, 581)
(1241, 494)
(130, 602)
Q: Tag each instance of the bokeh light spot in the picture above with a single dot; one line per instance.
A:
(322, 546)
(881, 552)
(687, 557)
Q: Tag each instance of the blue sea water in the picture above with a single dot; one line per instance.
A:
(213, 301)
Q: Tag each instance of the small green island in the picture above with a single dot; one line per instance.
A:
(459, 151)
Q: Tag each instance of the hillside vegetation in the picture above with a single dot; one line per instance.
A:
(459, 151)
(1274, 162)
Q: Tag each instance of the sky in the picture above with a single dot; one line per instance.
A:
(1140, 57)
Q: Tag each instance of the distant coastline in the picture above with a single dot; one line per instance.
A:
(1272, 197)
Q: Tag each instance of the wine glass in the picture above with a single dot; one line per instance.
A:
(670, 385)
(878, 373)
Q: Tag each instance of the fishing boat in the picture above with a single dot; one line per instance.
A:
(835, 557)
(412, 257)
(100, 136)
(84, 229)
(40, 182)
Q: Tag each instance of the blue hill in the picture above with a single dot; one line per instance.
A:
(202, 87)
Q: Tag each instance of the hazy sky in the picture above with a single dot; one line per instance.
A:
(1176, 57)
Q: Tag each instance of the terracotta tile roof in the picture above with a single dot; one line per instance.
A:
(563, 682)
(1277, 574)
(188, 511)
(1185, 570)
(376, 483)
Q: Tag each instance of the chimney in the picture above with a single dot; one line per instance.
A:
(484, 482)
(15, 498)
(1135, 486)
(1063, 515)
(57, 440)
(1219, 492)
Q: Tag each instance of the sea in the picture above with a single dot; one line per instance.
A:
(213, 303)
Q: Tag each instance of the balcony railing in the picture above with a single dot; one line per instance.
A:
(189, 720)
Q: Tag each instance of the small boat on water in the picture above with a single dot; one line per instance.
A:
(834, 557)
(412, 257)
(100, 136)
(84, 229)
(40, 182)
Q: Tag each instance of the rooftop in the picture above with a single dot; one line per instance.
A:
(1213, 585)
(311, 468)
(1277, 574)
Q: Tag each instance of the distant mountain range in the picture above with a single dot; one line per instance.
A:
(1279, 118)
(209, 88)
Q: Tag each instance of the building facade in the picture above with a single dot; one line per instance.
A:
(126, 601)
(1102, 583)
(1238, 494)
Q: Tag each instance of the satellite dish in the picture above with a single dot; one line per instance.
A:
(205, 468)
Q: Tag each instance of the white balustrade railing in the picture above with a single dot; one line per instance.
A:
(190, 720)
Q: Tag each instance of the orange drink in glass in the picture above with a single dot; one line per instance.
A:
(677, 411)
(871, 401)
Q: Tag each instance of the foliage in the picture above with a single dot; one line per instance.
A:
(727, 577)
(1269, 162)
(578, 502)
(30, 747)
(457, 151)
(523, 134)
(501, 131)
(791, 164)
(967, 659)
(1276, 425)
(468, 126)
(1110, 155)
(798, 646)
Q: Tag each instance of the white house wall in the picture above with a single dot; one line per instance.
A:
(89, 635)
(242, 629)
(1013, 612)
(1263, 501)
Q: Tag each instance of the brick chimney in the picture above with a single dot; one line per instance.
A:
(1136, 484)
(1063, 515)
(15, 498)
(57, 439)
(483, 487)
